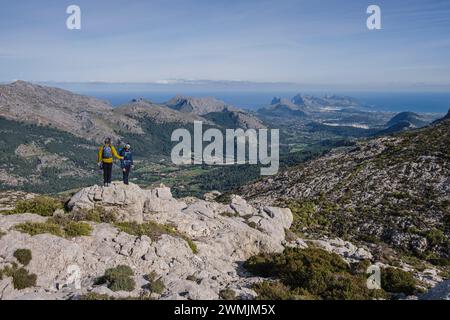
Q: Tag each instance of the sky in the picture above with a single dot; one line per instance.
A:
(320, 42)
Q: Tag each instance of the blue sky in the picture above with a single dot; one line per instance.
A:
(311, 42)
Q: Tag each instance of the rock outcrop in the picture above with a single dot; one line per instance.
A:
(224, 234)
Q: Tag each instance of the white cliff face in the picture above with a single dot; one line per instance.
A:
(223, 242)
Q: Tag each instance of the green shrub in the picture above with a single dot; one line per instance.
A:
(151, 229)
(437, 261)
(155, 284)
(92, 296)
(77, 229)
(398, 281)
(435, 237)
(227, 294)
(98, 214)
(122, 284)
(35, 228)
(273, 290)
(22, 279)
(8, 271)
(41, 205)
(304, 213)
(154, 231)
(311, 273)
(446, 220)
(261, 265)
(224, 198)
(360, 267)
(58, 226)
(2, 234)
(23, 256)
(118, 278)
(191, 244)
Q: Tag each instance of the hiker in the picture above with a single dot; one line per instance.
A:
(105, 160)
(127, 162)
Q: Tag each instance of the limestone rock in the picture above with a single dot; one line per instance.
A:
(347, 250)
(223, 242)
(241, 207)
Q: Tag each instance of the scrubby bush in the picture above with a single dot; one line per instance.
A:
(446, 220)
(272, 290)
(22, 279)
(312, 273)
(398, 281)
(118, 278)
(227, 294)
(35, 228)
(155, 284)
(261, 265)
(435, 237)
(23, 256)
(224, 198)
(98, 214)
(58, 226)
(41, 205)
(275, 290)
(92, 296)
(2, 234)
(150, 229)
(77, 229)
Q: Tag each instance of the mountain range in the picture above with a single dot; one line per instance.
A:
(50, 134)
(303, 105)
(95, 119)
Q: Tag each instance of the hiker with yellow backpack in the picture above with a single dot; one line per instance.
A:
(106, 153)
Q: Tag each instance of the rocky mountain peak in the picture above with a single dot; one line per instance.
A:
(298, 100)
(21, 83)
(413, 119)
(447, 115)
(275, 100)
(199, 106)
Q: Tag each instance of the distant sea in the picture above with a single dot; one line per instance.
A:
(428, 102)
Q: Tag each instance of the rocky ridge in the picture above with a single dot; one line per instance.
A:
(94, 119)
(79, 115)
(393, 190)
(225, 235)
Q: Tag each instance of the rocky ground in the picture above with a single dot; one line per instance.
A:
(393, 190)
(224, 237)
(221, 237)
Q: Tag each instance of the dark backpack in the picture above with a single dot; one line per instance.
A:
(107, 152)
